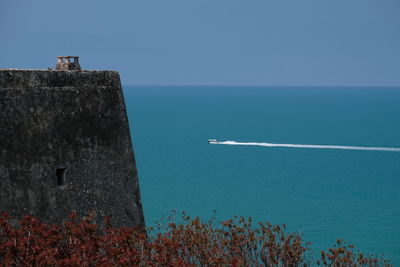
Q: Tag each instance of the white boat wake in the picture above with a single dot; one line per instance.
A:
(234, 143)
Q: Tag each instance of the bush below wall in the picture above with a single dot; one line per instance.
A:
(235, 242)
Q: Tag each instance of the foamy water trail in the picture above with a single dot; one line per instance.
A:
(234, 143)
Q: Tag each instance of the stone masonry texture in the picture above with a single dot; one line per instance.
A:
(65, 146)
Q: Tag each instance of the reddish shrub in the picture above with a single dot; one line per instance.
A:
(234, 242)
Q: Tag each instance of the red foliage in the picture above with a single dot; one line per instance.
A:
(234, 243)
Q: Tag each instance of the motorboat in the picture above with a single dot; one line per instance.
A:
(212, 141)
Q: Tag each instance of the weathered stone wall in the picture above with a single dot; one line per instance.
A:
(65, 146)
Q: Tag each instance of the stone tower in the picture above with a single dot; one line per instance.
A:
(65, 146)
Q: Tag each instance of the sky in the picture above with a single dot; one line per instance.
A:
(210, 42)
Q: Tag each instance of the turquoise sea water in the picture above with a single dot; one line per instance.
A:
(325, 194)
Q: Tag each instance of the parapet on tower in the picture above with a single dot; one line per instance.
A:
(64, 63)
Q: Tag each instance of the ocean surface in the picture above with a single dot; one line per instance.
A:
(324, 193)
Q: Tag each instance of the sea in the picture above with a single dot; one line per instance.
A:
(324, 193)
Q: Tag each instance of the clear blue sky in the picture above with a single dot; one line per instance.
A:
(213, 42)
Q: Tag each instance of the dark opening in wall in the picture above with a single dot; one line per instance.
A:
(61, 178)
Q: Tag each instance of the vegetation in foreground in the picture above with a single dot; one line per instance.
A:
(235, 242)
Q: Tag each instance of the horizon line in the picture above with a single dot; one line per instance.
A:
(250, 85)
